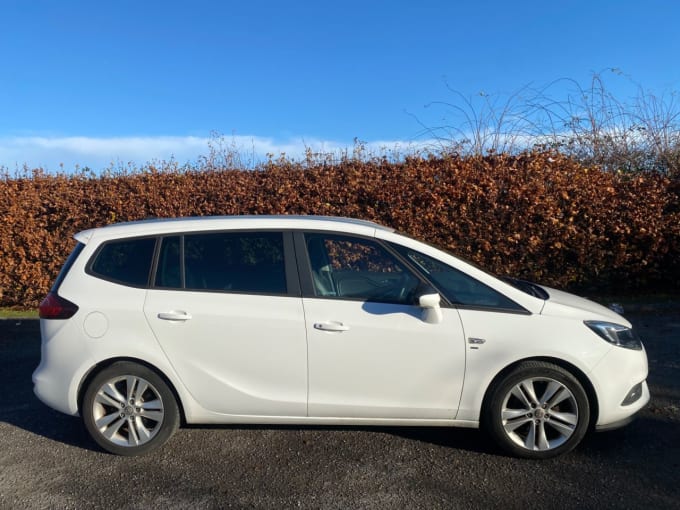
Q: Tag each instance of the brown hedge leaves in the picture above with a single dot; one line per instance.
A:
(539, 216)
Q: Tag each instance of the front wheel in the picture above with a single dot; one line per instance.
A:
(537, 411)
(129, 410)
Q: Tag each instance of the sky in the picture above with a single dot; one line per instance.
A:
(96, 84)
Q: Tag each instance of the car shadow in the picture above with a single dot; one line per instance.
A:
(652, 438)
(391, 309)
(19, 356)
(473, 440)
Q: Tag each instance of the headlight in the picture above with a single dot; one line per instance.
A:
(616, 334)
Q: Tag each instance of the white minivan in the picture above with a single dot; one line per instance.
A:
(321, 320)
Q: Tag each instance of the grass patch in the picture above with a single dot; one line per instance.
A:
(11, 313)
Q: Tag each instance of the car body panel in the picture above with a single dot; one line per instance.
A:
(564, 304)
(509, 338)
(613, 376)
(248, 358)
(389, 363)
(237, 354)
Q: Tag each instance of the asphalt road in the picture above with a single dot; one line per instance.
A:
(47, 461)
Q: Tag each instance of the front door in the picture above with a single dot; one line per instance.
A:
(370, 353)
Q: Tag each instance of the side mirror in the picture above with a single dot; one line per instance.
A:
(432, 312)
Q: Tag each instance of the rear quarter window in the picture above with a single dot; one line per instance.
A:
(127, 261)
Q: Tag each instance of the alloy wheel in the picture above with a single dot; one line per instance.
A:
(128, 411)
(539, 414)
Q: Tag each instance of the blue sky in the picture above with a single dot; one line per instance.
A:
(89, 83)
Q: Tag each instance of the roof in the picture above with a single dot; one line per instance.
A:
(205, 223)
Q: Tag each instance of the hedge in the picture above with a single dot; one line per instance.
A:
(537, 215)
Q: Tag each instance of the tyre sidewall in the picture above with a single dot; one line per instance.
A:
(170, 421)
(492, 420)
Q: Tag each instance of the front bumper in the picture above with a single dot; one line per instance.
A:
(614, 377)
(616, 425)
(643, 399)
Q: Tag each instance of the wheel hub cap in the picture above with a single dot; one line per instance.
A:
(539, 413)
(128, 411)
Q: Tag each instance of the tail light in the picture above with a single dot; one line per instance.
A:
(56, 307)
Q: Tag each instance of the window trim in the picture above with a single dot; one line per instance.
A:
(98, 250)
(481, 308)
(157, 258)
(290, 266)
(289, 256)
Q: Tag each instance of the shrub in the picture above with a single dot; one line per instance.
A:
(536, 215)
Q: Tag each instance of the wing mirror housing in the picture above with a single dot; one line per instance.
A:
(429, 302)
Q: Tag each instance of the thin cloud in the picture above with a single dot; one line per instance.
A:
(55, 153)
(99, 153)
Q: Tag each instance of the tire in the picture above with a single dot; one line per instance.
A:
(537, 411)
(128, 409)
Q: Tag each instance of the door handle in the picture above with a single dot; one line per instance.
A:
(174, 316)
(331, 326)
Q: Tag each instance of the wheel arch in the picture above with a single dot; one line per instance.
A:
(572, 369)
(92, 373)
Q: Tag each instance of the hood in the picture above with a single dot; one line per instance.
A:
(563, 304)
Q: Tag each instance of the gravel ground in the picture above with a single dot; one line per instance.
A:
(47, 461)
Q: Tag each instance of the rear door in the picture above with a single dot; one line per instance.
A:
(226, 309)
(370, 353)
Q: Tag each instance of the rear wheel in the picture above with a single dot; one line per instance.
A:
(537, 411)
(128, 409)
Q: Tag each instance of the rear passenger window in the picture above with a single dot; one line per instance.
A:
(235, 262)
(127, 261)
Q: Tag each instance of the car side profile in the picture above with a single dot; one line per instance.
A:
(321, 320)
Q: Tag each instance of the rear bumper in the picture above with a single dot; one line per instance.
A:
(56, 389)
(62, 366)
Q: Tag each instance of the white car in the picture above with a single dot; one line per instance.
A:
(318, 320)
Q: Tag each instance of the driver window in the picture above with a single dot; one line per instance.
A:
(355, 268)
